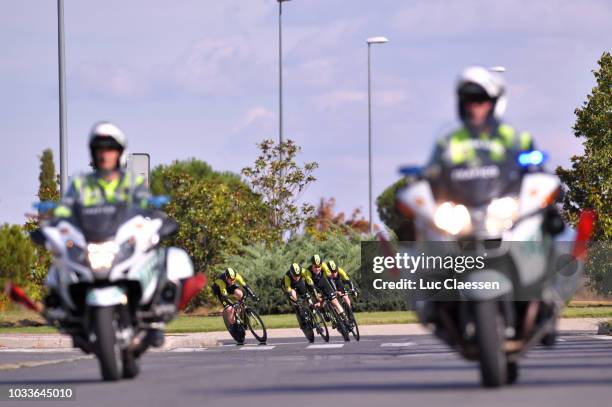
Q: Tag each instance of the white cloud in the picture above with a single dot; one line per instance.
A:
(209, 66)
(390, 97)
(443, 18)
(110, 81)
(256, 115)
(337, 98)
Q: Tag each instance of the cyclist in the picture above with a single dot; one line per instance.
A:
(338, 278)
(230, 283)
(296, 284)
(322, 284)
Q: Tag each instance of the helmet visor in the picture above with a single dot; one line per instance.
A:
(473, 93)
(105, 142)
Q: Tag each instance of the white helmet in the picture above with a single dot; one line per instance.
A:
(107, 135)
(479, 82)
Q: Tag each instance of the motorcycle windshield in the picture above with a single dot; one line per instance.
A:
(100, 223)
(474, 186)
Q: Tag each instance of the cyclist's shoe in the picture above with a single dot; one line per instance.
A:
(326, 317)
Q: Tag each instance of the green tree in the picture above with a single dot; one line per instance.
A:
(281, 182)
(589, 181)
(390, 215)
(48, 185)
(216, 218)
(17, 254)
(326, 221)
(196, 169)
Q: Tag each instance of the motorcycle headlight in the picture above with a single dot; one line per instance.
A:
(501, 214)
(452, 218)
(101, 255)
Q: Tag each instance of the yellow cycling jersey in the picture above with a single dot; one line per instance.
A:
(222, 284)
(341, 273)
(288, 281)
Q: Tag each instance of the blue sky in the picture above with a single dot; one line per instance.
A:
(199, 79)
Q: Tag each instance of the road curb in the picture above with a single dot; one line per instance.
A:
(211, 339)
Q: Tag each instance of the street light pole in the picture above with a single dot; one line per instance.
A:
(62, 96)
(280, 70)
(370, 41)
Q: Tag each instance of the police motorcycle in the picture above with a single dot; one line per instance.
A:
(112, 287)
(506, 213)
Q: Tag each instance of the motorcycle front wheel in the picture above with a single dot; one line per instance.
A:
(104, 327)
(490, 340)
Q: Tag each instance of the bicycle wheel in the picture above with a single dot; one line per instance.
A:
(256, 325)
(340, 324)
(320, 325)
(237, 331)
(353, 322)
(305, 326)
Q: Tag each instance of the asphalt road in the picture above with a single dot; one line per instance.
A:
(378, 371)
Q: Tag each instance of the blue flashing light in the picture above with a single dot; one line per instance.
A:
(411, 171)
(44, 206)
(534, 157)
(158, 201)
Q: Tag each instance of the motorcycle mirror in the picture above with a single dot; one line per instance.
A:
(158, 201)
(37, 237)
(168, 228)
(411, 170)
(44, 206)
(530, 158)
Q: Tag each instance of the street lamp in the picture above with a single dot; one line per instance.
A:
(62, 95)
(370, 41)
(280, 70)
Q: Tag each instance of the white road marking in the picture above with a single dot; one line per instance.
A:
(184, 350)
(258, 347)
(326, 346)
(40, 350)
(605, 337)
(18, 365)
(397, 344)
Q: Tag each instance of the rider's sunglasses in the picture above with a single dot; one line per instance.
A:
(477, 99)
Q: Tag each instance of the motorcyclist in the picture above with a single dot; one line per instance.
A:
(109, 182)
(481, 104)
(483, 137)
(231, 283)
